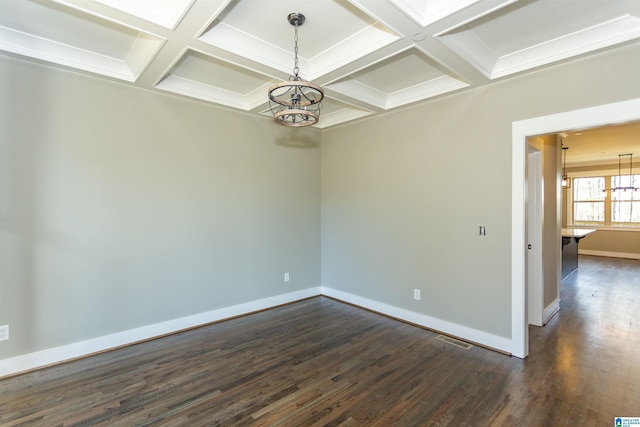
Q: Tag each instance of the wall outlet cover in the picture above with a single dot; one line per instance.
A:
(4, 332)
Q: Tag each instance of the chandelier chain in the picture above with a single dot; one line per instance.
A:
(296, 70)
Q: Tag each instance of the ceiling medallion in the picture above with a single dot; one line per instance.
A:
(296, 102)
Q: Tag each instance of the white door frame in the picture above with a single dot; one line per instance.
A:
(534, 212)
(618, 112)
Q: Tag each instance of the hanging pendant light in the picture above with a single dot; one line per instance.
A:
(566, 181)
(629, 187)
(296, 102)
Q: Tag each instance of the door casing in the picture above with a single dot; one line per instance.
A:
(607, 114)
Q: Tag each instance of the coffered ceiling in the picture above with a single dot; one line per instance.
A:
(370, 56)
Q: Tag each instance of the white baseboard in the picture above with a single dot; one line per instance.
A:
(550, 310)
(463, 332)
(63, 353)
(95, 345)
(625, 255)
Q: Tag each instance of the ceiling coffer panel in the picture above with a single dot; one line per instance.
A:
(211, 79)
(166, 13)
(334, 34)
(428, 12)
(61, 35)
(529, 34)
(421, 78)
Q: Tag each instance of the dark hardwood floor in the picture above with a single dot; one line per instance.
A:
(322, 362)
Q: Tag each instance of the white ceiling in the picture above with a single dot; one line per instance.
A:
(370, 56)
(603, 145)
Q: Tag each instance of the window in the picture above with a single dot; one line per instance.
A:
(625, 208)
(588, 200)
(593, 205)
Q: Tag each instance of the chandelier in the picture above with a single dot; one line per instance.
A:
(631, 186)
(296, 102)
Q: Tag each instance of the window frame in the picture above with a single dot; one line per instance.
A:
(608, 223)
(603, 201)
(633, 200)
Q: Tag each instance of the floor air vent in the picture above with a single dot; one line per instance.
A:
(454, 341)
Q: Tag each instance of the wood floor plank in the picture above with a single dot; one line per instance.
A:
(320, 362)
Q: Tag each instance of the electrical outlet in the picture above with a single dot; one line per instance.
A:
(286, 277)
(416, 294)
(4, 332)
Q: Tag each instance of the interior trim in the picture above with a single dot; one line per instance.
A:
(601, 115)
(65, 353)
(475, 336)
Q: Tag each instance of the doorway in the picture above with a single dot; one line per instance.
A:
(619, 112)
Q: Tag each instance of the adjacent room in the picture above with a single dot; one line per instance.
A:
(267, 212)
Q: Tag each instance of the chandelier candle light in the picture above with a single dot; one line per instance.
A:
(296, 102)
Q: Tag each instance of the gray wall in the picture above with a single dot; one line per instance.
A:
(121, 207)
(403, 194)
